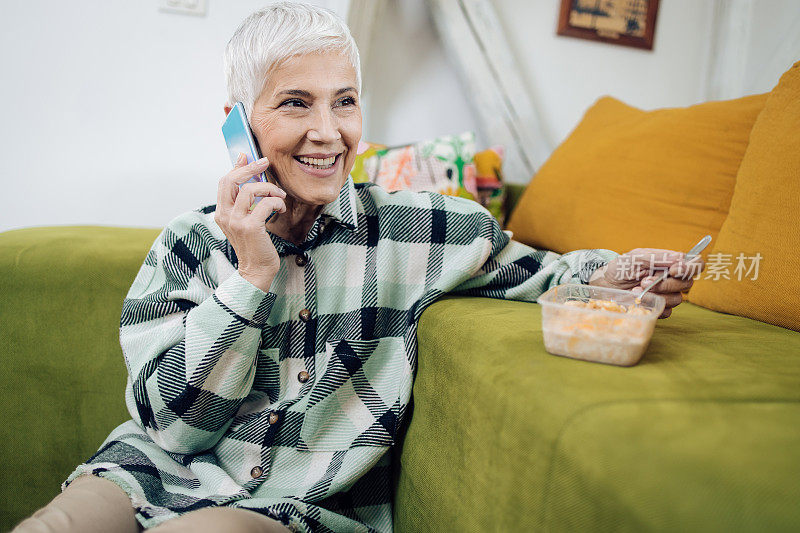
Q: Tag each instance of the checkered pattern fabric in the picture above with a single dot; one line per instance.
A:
(287, 402)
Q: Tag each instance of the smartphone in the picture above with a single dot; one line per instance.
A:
(240, 140)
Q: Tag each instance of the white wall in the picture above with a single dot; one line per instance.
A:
(773, 43)
(113, 109)
(566, 75)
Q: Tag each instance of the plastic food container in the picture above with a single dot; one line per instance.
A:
(598, 324)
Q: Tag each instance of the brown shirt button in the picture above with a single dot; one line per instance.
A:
(256, 471)
(305, 315)
(274, 417)
(301, 260)
(302, 377)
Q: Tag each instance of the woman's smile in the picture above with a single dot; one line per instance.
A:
(319, 164)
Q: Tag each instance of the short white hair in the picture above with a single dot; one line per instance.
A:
(275, 33)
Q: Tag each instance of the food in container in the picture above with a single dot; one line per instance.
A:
(598, 324)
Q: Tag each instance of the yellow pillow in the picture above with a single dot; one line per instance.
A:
(627, 178)
(764, 219)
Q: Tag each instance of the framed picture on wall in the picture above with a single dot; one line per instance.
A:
(624, 22)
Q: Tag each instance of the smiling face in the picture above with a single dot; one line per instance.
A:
(307, 121)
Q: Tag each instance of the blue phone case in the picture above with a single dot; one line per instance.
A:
(239, 139)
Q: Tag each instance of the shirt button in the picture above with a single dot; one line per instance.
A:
(256, 471)
(302, 377)
(301, 260)
(305, 315)
(274, 417)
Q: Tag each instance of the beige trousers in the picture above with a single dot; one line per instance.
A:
(91, 504)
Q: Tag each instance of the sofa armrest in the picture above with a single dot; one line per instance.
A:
(63, 381)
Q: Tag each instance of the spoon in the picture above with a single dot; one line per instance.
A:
(690, 255)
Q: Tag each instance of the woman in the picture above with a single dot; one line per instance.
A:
(270, 363)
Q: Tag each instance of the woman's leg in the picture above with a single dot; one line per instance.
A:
(90, 504)
(216, 519)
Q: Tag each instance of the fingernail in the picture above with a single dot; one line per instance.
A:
(262, 161)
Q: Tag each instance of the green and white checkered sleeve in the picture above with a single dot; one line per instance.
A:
(514, 271)
(189, 341)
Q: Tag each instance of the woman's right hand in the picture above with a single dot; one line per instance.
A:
(245, 229)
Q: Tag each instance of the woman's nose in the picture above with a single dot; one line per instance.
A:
(324, 128)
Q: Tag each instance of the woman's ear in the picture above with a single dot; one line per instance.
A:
(227, 109)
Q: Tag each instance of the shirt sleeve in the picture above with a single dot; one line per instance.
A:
(190, 330)
(493, 265)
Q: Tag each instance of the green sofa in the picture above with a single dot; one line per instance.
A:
(702, 435)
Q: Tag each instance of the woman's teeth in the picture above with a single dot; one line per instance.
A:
(317, 163)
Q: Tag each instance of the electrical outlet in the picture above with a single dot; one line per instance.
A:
(186, 7)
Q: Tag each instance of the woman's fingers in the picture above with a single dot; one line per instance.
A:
(229, 184)
(243, 173)
(248, 193)
(669, 289)
(639, 263)
(648, 264)
(265, 208)
(667, 285)
(226, 197)
(656, 258)
(263, 188)
(688, 269)
(673, 299)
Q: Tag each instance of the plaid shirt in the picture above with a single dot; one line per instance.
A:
(287, 402)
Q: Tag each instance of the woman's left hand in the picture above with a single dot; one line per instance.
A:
(639, 268)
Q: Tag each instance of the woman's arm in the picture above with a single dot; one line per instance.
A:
(494, 266)
(507, 269)
(190, 331)
(519, 272)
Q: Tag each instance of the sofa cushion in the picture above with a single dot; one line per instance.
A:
(610, 471)
(627, 178)
(703, 434)
(762, 227)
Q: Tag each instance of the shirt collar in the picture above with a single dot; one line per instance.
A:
(343, 209)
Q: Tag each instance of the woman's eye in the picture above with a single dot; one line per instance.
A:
(294, 102)
(347, 100)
